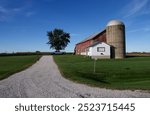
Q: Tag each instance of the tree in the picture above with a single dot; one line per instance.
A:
(58, 39)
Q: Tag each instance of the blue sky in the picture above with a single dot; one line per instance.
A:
(24, 23)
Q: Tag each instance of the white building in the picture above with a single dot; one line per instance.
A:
(99, 50)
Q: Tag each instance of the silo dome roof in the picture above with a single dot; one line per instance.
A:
(115, 22)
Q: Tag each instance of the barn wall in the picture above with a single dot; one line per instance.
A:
(101, 37)
(105, 53)
(81, 47)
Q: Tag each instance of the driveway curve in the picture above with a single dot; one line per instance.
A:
(43, 80)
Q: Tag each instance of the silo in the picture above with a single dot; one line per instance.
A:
(115, 35)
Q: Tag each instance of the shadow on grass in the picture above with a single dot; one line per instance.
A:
(131, 56)
(97, 77)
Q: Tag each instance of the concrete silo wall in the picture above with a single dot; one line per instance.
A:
(115, 35)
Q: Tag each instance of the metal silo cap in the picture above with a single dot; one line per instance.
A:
(115, 22)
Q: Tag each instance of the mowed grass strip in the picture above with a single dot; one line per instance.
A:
(12, 64)
(130, 73)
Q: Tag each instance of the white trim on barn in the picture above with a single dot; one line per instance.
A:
(99, 50)
(83, 53)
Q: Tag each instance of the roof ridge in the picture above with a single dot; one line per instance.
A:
(92, 36)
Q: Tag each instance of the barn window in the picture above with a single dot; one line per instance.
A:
(100, 49)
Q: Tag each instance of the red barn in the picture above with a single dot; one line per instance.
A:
(96, 46)
(81, 47)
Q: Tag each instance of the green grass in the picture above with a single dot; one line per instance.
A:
(130, 73)
(12, 64)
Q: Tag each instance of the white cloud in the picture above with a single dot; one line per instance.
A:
(17, 9)
(144, 29)
(136, 7)
(28, 14)
(8, 11)
(3, 13)
(3, 10)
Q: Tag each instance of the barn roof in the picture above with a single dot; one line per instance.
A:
(96, 43)
(92, 36)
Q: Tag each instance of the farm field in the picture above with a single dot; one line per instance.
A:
(13, 64)
(130, 73)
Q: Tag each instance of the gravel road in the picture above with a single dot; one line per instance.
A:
(43, 80)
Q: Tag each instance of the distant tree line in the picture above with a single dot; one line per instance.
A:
(28, 53)
(25, 53)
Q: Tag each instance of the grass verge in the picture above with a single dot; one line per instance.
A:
(130, 73)
(12, 64)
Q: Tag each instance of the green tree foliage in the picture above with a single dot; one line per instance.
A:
(58, 39)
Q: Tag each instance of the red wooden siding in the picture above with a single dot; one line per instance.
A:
(81, 47)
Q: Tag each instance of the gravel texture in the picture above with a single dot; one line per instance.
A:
(43, 80)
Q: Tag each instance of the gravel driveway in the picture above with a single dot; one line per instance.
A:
(43, 79)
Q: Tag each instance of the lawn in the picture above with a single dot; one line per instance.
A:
(13, 64)
(130, 73)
